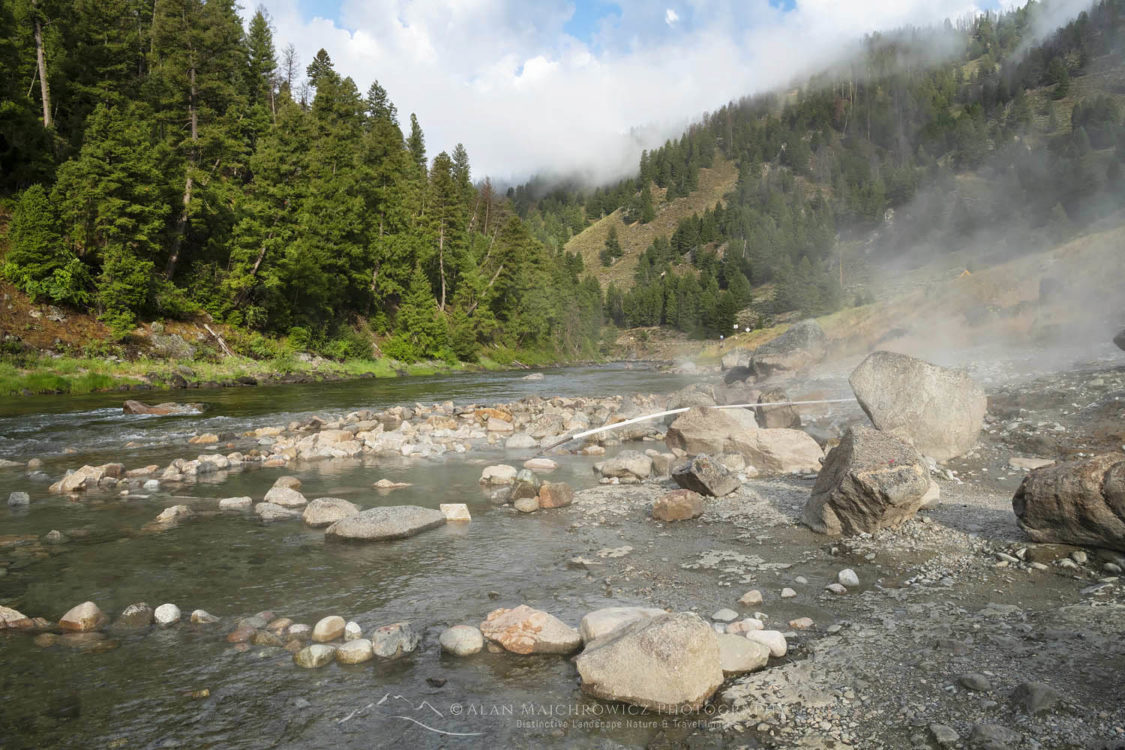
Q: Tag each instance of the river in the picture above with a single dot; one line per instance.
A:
(139, 694)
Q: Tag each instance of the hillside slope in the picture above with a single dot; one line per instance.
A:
(714, 183)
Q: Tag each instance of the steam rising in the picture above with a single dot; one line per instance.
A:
(526, 97)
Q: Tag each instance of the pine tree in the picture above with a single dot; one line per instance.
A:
(416, 144)
(38, 262)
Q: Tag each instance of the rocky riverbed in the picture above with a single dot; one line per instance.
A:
(952, 630)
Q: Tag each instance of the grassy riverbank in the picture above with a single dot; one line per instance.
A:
(45, 374)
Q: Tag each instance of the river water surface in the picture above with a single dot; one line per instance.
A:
(140, 694)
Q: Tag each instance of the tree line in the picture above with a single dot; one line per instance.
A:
(169, 162)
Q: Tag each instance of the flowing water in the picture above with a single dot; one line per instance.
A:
(140, 694)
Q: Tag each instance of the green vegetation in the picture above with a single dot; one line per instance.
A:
(170, 168)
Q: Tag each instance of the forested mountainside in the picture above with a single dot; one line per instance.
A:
(1013, 142)
(169, 163)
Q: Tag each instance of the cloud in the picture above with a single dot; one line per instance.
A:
(504, 78)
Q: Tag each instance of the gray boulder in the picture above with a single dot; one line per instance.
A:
(706, 477)
(1119, 339)
(274, 512)
(385, 523)
(939, 411)
(325, 511)
(668, 663)
(18, 499)
(801, 346)
(870, 481)
(1078, 502)
(603, 622)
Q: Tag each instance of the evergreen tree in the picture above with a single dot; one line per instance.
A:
(37, 262)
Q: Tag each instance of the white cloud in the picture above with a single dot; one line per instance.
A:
(503, 77)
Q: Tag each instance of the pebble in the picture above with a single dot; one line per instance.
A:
(801, 580)
(847, 577)
(836, 588)
(1078, 556)
(802, 623)
(788, 593)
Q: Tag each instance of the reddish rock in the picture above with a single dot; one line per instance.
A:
(555, 495)
(678, 505)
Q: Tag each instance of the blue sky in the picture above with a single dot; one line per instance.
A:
(579, 87)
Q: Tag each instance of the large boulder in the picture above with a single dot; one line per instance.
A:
(781, 451)
(1119, 339)
(388, 522)
(707, 477)
(939, 411)
(1078, 502)
(668, 663)
(711, 431)
(870, 481)
(325, 511)
(719, 431)
(524, 630)
(801, 346)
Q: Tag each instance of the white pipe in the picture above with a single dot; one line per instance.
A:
(657, 415)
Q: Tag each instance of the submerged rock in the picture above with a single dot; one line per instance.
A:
(325, 511)
(386, 523)
(274, 512)
(1077, 502)
(139, 407)
(236, 503)
(286, 497)
(668, 663)
(524, 630)
(869, 481)
(1119, 339)
(461, 640)
(455, 511)
(706, 477)
(18, 499)
(939, 411)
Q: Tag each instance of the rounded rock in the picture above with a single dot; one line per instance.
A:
(355, 651)
(314, 656)
(167, 614)
(328, 629)
(847, 577)
(461, 640)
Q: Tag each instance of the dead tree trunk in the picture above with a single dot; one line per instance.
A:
(41, 61)
(181, 224)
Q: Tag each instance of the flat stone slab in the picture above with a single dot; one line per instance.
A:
(386, 523)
